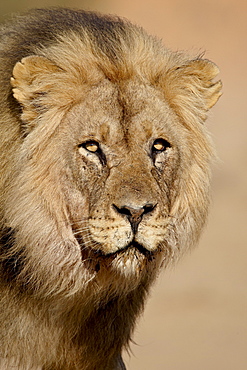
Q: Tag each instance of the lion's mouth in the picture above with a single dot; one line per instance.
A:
(133, 245)
(95, 259)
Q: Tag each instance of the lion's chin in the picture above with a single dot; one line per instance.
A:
(129, 262)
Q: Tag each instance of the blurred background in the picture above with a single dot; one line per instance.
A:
(196, 317)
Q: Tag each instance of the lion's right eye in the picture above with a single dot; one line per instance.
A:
(91, 146)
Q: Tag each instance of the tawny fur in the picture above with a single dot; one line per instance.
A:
(105, 177)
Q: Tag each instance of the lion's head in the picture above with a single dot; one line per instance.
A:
(110, 175)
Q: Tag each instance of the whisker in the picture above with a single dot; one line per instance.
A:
(78, 231)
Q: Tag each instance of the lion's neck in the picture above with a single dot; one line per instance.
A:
(75, 338)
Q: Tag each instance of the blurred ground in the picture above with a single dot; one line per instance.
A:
(196, 317)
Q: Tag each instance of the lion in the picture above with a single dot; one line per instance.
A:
(105, 180)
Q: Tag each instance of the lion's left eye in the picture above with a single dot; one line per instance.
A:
(160, 145)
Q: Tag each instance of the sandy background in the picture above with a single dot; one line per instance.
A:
(196, 317)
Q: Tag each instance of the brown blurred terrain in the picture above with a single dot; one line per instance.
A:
(196, 317)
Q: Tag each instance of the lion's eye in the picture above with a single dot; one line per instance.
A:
(91, 146)
(160, 145)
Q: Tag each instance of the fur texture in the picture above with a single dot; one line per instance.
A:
(105, 175)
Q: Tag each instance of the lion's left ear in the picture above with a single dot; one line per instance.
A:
(33, 78)
(191, 86)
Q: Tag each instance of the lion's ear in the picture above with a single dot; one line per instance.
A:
(191, 86)
(33, 78)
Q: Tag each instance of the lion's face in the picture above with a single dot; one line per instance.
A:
(122, 161)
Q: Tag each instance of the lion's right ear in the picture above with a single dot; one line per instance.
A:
(33, 78)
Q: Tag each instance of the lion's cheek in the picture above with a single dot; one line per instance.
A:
(111, 238)
(149, 238)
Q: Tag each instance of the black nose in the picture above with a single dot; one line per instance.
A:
(135, 215)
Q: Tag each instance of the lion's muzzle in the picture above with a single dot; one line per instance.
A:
(134, 214)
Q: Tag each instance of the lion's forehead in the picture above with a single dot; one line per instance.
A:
(115, 113)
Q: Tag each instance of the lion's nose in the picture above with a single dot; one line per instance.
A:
(135, 214)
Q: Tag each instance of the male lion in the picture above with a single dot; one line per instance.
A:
(105, 171)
